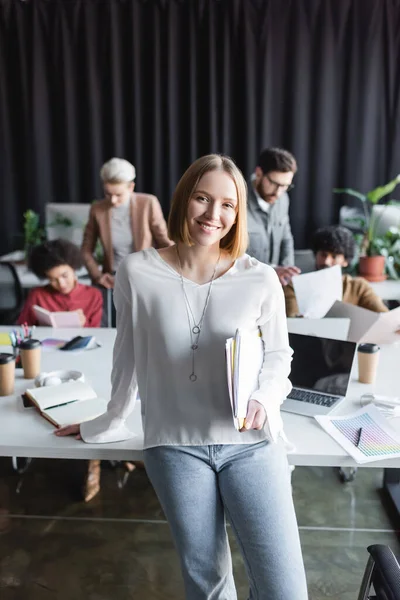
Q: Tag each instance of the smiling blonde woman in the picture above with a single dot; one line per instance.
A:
(175, 309)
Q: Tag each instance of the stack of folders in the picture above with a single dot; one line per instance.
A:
(244, 359)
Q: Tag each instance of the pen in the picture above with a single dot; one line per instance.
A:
(358, 439)
(63, 404)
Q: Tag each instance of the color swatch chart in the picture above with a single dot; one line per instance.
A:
(374, 441)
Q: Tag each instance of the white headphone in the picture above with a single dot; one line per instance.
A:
(58, 377)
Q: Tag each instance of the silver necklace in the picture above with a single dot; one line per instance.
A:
(195, 328)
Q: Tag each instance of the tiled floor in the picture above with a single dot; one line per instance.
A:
(118, 547)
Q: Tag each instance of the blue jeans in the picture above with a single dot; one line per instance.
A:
(198, 486)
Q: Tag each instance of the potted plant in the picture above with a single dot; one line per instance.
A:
(389, 247)
(33, 233)
(372, 251)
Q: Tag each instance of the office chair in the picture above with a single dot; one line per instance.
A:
(305, 260)
(382, 573)
(11, 294)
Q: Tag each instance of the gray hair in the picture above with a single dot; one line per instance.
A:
(117, 170)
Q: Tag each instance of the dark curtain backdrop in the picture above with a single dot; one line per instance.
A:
(163, 82)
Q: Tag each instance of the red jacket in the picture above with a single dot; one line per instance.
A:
(88, 298)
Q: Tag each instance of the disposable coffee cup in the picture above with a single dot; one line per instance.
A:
(30, 351)
(368, 358)
(7, 374)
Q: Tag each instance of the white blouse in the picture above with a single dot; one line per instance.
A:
(152, 353)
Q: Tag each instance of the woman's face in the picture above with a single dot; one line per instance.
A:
(62, 278)
(212, 208)
(118, 193)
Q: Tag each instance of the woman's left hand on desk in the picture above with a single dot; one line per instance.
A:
(255, 417)
(70, 430)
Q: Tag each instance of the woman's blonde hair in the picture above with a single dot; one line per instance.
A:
(236, 240)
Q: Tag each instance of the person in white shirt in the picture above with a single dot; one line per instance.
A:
(175, 309)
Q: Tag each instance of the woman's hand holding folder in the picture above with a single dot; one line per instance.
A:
(255, 417)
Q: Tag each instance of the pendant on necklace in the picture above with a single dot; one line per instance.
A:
(196, 329)
(192, 377)
(194, 346)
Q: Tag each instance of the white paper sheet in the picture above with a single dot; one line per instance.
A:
(317, 291)
(369, 326)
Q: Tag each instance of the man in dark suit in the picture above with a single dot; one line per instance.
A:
(270, 236)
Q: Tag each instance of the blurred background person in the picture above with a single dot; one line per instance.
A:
(270, 234)
(58, 262)
(335, 245)
(124, 222)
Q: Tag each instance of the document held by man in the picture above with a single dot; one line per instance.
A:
(317, 291)
(244, 359)
(369, 326)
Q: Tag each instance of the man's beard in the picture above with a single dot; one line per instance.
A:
(269, 198)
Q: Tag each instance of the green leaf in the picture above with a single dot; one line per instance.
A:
(373, 196)
(351, 192)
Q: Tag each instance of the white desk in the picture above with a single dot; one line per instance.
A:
(387, 290)
(27, 278)
(23, 432)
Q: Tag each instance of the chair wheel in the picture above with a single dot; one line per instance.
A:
(20, 465)
(347, 474)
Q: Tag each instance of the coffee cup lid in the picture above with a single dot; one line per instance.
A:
(6, 358)
(368, 348)
(29, 344)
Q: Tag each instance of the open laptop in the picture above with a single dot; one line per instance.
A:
(320, 374)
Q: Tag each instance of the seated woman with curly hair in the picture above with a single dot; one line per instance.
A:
(58, 261)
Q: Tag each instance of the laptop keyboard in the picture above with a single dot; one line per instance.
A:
(313, 397)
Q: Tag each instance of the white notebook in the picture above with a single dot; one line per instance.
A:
(68, 403)
(244, 360)
(56, 319)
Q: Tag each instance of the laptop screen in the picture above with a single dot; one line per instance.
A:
(321, 364)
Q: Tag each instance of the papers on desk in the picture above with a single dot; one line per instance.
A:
(369, 326)
(76, 345)
(365, 435)
(68, 403)
(5, 339)
(317, 291)
(244, 359)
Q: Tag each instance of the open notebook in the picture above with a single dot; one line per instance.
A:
(244, 358)
(56, 319)
(68, 403)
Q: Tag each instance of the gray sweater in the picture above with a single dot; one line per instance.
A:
(270, 236)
